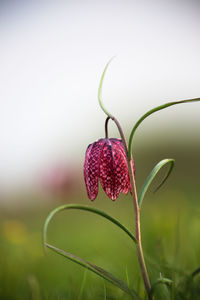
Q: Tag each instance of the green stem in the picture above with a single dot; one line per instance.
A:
(133, 187)
(106, 127)
(145, 275)
(141, 260)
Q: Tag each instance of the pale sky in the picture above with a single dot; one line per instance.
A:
(52, 54)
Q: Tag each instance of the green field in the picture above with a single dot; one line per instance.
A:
(170, 234)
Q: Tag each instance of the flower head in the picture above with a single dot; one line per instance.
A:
(105, 160)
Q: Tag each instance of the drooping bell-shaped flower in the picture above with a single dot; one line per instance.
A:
(105, 160)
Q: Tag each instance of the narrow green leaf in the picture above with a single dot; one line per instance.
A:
(130, 144)
(97, 270)
(100, 90)
(152, 175)
(86, 208)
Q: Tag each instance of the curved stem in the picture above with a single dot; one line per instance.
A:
(137, 214)
(106, 127)
(100, 90)
(133, 185)
(121, 134)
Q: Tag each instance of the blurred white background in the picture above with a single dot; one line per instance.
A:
(52, 54)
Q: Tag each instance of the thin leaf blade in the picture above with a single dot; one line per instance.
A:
(152, 175)
(98, 270)
(130, 143)
(95, 269)
(85, 208)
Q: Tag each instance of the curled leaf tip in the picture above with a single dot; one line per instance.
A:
(100, 89)
(152, 175)
(161, 164)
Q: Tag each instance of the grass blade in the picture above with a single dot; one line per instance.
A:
(86, 208)
(127, 277)
(130, 144)
(152, 175)
(95, 269)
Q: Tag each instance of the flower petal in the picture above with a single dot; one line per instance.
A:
(107, 175)
(106, 160)
(121, 166)
(91, 168)
(119, 142)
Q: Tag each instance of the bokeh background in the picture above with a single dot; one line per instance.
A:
(52, 54)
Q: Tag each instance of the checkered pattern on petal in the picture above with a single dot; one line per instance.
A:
(91, 168)
(105, 160)
(121, 166)
(107, 174)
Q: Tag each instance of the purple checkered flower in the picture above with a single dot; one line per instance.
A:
(105, 160)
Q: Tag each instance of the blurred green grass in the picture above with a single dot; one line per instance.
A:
(170, 234)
